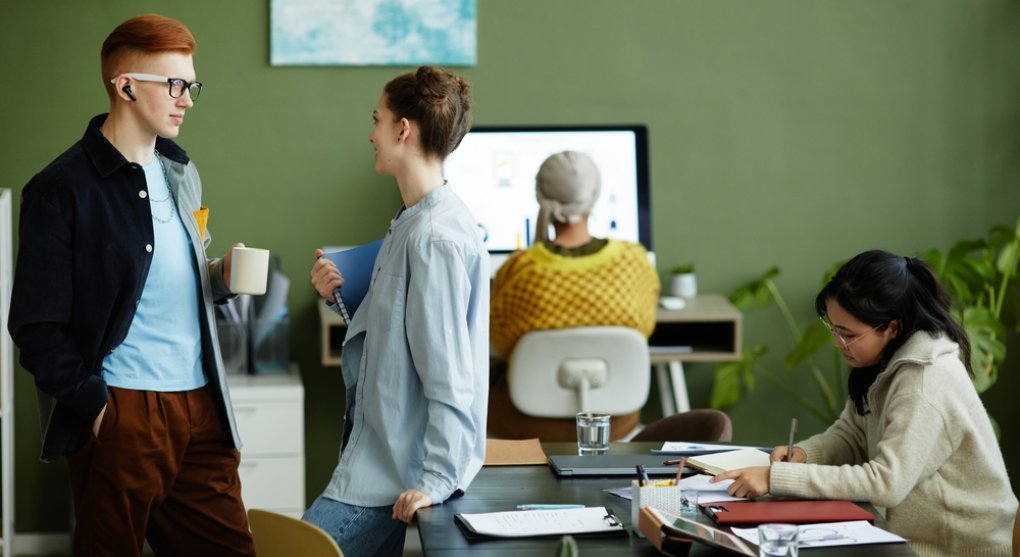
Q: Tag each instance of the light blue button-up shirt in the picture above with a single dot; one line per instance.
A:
(416, 361)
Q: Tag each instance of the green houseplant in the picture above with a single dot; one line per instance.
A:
(683, 281)
(980, 277)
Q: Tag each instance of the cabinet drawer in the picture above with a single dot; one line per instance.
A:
(272, 483)
(270, 428)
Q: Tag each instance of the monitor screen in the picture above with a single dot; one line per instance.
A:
(494, 171)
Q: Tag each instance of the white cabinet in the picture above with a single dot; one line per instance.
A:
(270, 414)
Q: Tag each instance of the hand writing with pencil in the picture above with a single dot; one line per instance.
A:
(779, 454)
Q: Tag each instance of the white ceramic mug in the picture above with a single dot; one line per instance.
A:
(249, 268)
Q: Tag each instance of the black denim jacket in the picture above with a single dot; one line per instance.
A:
(84, 250)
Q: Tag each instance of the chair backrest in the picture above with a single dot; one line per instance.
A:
(700, 424)
(560, 372)
(278, 535)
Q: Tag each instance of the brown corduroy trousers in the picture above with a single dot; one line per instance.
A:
(163, 468)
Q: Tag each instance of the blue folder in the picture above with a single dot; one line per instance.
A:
(356, 266)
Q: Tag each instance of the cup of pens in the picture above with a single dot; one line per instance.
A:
(667, 495)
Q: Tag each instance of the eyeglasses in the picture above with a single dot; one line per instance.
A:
(844, 341)
(176, 86)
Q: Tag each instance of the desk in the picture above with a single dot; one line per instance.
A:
(500, 488)
(707, 329)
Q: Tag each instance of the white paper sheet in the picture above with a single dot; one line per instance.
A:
(825, 534)
(707, 492)
(518, 524)
(685, 448)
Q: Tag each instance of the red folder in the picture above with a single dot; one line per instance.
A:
(793, 512)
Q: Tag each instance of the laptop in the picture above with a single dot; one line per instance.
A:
(611, 465)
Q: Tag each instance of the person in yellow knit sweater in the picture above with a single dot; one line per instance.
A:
(571, 280)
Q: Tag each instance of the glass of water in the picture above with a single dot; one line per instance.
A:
(777, 539)
(592, 433)
(689, 501)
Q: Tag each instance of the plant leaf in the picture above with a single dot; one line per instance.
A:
(726, 384)
(754, 295)
(988, 350)
(726, 387)
(815, 337)
(1008, 259)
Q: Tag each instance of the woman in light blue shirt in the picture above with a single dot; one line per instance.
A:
(415, 358)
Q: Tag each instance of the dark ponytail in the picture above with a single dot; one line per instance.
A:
(877, 288)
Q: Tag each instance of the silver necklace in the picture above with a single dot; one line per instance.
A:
(165, 199)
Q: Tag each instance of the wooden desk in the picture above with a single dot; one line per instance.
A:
(501, 488)
(707, 329)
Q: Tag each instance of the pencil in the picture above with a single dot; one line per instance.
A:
(679, 471)
(789, 447)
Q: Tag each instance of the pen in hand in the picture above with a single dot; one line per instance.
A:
(789, 446)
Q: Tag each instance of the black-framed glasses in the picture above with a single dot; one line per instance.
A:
(176, 86)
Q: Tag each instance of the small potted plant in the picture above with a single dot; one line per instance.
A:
(683, 281)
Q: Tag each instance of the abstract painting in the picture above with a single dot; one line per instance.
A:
(373, 32)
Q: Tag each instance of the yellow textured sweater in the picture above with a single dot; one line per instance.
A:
(537, 289)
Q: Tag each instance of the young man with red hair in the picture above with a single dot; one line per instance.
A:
(112, 309)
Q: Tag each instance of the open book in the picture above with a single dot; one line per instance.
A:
(718, 463)
(356, 266)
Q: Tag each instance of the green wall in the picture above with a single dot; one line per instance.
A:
(789, 133)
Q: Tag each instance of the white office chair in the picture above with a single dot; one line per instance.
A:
(560, 372)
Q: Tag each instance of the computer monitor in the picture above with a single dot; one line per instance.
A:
(494, 171)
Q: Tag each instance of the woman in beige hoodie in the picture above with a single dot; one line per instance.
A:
(914, 438)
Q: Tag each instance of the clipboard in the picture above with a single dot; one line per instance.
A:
(582, 522)
(789, 511)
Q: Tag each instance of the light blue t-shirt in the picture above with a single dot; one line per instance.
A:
(163, 347)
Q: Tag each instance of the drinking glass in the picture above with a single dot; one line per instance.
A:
(777, 539)
(592, 433)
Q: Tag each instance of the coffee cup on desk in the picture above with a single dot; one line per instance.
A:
(249, 268)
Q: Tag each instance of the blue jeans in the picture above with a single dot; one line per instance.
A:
(359, 531)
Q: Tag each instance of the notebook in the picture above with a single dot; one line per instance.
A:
(793, 512)
(718, 463)
(355, 265)
(611, 465)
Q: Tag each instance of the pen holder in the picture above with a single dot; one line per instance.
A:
(662, 497)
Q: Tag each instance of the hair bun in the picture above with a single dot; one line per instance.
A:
(429, 85)
(436, 86)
